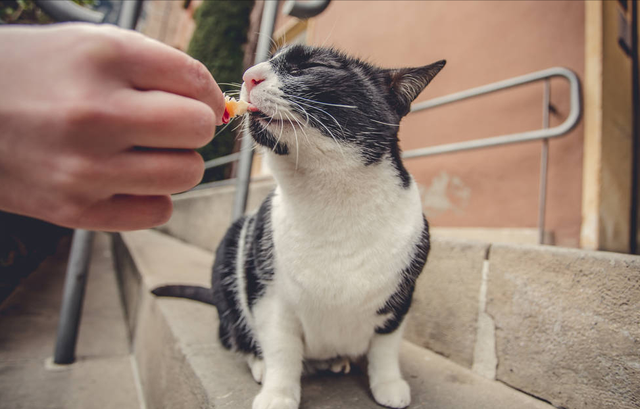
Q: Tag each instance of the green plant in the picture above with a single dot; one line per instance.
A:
(221, 32)
(26, 12)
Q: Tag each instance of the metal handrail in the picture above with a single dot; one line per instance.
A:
(66, 10)
(222, 160)
(566, 126)
(306, 9)
(562, 129)
(543, 134)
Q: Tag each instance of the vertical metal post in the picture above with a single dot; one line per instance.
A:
(74, 286)
(80, 256)
(269, 14)
(544, 162)
(129, 14)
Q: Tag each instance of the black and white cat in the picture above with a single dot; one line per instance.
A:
(325, 270)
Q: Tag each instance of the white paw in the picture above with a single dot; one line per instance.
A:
(341, 365)
(256, 365)
(392, 394)
(274, 400)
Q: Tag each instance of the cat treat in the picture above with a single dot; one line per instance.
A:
(233, 107)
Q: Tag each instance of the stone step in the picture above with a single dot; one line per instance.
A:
(559, 324)
(102, 376)
(182, 364)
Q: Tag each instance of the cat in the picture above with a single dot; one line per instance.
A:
(325, 269)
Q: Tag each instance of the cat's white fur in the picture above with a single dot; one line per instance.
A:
(325, 304)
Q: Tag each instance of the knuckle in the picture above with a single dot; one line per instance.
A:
(73, 172)
(81, 113)
(106, 44)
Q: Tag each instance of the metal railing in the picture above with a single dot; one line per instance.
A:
(544, 134)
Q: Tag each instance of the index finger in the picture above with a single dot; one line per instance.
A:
(152, 65)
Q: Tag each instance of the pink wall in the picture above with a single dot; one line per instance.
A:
(483, 42)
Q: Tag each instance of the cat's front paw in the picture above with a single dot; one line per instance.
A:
(392, 394)
(274, 400)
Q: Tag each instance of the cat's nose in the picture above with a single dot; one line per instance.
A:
(254, 76)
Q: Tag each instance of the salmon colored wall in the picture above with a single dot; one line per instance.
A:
(483, 42)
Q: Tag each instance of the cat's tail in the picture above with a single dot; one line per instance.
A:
(191, 292)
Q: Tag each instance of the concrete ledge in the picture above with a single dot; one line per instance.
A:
(444, 313)
(567, 324)
(183, 365)
(201, 217)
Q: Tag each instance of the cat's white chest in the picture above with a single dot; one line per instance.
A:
(337, 269)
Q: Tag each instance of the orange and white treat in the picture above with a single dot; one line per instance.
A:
(233, 108)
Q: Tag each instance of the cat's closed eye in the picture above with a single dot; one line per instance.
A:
(302, 68)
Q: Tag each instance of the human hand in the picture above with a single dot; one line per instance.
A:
(98, 125)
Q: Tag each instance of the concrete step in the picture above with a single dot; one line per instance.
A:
(182, 364)
(559, 324)
(102, 377)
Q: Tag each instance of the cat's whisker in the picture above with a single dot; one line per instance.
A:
(330, 133)
(223, 128)
(304, 111)
(330, 32)
(296, 136)
(239, 125)
(281, 129)
(231, 84)
(273, 44)
(332, 117)
(271, 40)
(383, 123)
(301, 128)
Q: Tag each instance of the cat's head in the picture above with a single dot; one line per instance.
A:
(320, 101)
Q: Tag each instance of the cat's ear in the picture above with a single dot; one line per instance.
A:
(408, 83)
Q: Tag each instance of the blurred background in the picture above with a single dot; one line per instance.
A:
(591, 194)
(490, 194)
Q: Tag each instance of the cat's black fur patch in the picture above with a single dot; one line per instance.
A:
(233, 329)
(264, 137)
(259, 252)
(399, 303)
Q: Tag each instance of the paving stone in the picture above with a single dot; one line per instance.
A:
(202, 217)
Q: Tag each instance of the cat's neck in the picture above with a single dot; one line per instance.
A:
(342, 184)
